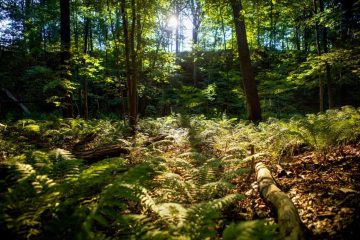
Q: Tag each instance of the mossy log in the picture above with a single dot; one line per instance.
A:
(290, 225)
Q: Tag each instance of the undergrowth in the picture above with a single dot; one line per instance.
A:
(181, 187)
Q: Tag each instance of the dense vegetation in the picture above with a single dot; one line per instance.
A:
(143, 119)
(183, 54)
(182, 187)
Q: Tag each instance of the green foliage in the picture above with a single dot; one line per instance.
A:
(51, 193)
(326, 130)
(176, 188)
(257, 230)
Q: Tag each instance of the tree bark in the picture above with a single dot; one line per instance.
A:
(290, 225)
(116, 36)
(65, 55)
(327, 66)
(102, 152)
(251, 93)
(130, 61)
(196, 11)
(318, 49)
(177, 29)
(84, 98)
(223, 27)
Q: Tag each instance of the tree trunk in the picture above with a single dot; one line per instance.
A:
(177, 30)
(84, 98)
(130, 61)
(271, 26)
(318, 48)
(101, 152)
(327, 66)
(65, 55)
(196, 20)
(290, 225)
(306, 39)
(297, 38)
(12, 97)
(116, 36)
(223, 28)
(251, 93)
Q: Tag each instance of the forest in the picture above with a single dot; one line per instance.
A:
(180, 119)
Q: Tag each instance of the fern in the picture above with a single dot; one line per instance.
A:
(178, 188)
(257, 230)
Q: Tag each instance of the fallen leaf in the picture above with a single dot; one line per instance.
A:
(347, 190)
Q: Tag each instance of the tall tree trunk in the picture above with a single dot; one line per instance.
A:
(116, 37)
(84, 104)
(348, 22)
(196, 20)
(65, 55)
(297, 38)
(129, 61)
(177, 29)
(251, 93)
(76, 42)
(306, 41)
(271, 25)
(327, 66)
(223, 28)
(318, 48)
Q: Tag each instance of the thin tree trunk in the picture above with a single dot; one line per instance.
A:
(196, 15)
(129, 61)
(251, 93)
(306, 39)
(116, 36)
(271, 25)
(177, 30)
(76, 40)
(223, 29)
(12, 97)
(327, 66)
(65, 55)
(297, 38)
(84, 104)
(318, 48)
(132, 90)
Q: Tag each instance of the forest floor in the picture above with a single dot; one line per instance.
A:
(325, 189)
(179, 177)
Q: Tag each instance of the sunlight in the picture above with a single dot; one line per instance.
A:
(172, 22)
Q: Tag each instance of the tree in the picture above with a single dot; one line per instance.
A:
(130, 59)
(318, 48)
(197, 13)
(65, 56)
(251, 93)
(327, 66)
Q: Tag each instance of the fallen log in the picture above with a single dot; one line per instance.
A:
(152, 140)
(114, 150)
(80, 145)
(12, 97)
(290, 225)
(102, 152)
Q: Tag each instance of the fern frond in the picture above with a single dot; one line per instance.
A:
(257, 230)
